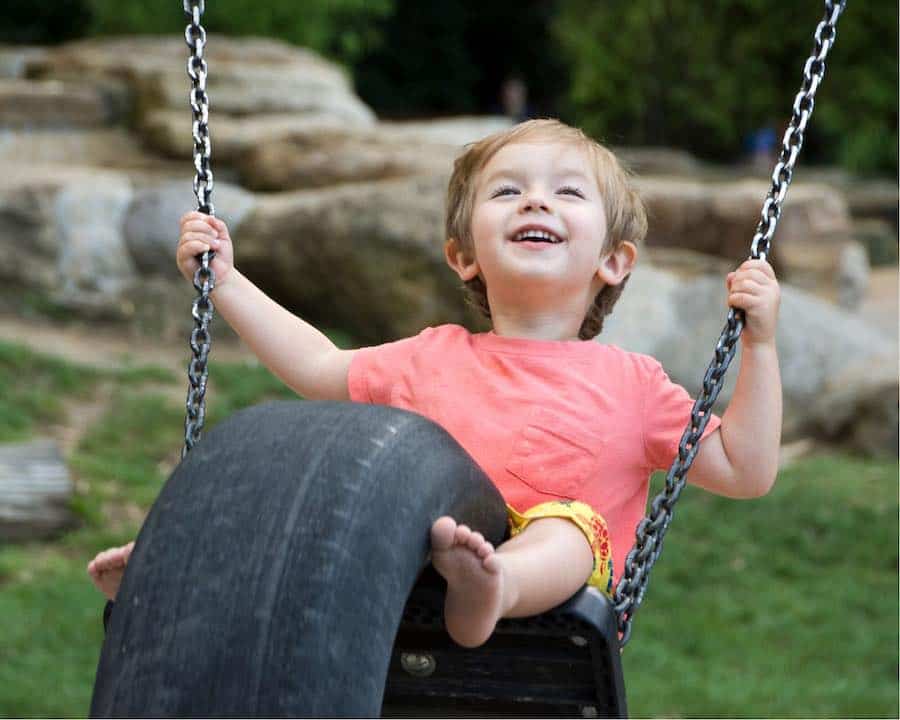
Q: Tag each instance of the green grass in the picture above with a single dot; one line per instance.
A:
(781, 607)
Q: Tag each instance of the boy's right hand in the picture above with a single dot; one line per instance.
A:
(201, 232)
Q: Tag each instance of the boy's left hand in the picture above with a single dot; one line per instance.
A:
(754, 289)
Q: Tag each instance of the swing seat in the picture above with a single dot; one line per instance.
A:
(563, 663)
(278, 562)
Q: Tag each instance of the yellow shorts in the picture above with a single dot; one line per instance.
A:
(589, 522)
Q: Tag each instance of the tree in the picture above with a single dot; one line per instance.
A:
(704, 75)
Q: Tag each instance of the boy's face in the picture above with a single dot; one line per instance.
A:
(538, 187)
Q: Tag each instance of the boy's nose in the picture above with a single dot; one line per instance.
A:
(533, 202)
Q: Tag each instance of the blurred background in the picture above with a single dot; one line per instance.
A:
(334, 126)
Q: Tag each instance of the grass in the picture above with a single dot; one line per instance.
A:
(781, 607)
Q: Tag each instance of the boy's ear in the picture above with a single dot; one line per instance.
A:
(616, 266)
(464, 267)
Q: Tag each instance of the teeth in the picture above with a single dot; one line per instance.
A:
(536, 235)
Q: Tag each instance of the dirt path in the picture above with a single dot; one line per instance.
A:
(107, 349)
(104, 347)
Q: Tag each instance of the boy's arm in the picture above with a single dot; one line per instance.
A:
(740, 459)
(295, 351)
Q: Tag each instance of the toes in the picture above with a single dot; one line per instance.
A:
(463, 533)
(485, 550)
(491, 563)
(475, 541)
(443, 533)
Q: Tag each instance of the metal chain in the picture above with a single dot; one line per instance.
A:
(652, 529)
(204, 279)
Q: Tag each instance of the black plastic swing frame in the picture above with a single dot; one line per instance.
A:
(563, 663)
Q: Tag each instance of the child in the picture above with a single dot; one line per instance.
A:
(542, 227)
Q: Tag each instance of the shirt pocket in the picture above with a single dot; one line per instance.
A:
(555, 455)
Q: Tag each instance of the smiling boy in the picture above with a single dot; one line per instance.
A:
(542, 227)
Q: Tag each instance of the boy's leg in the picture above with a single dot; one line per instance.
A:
(538, 569)
(546, 563)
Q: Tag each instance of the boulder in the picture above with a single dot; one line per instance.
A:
(15, 59)
(366, 257)
(251, 75)
(454, 132)
(151, 225)
(51, 103)
(317, 156)
(61, 235)
(35, 490)
(322, 158)
(857, 408)
(658, 161)
(168, 132)
(721, 219)
(679, 321)
(106, 147)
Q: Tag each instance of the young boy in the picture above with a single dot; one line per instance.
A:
(543, 228)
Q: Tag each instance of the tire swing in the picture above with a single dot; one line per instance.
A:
(288, 553)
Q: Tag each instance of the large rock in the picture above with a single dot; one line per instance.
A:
(290, 151)
(319, 159)
(824, 352)
(247, 76)
(720, 218)
(658, 161)
(366, 257)
(151, 226)
(52, 103)
(15, 59)
(317, 156)
(453, 132)
(168, 132)
(61, 235)
(35, 491)
(112, 148)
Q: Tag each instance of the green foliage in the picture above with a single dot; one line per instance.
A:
(705, 75)
(37, 23)
(341, 29)
(452, 56)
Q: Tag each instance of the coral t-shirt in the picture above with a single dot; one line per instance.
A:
(544, 419)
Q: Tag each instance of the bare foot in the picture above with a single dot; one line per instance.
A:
(107, 568)
(474, 581)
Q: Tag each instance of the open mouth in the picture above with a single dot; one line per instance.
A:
(541, 236)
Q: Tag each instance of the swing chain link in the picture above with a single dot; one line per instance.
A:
(651, 530)
(204, 278)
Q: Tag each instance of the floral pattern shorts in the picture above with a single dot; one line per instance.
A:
(589, 522)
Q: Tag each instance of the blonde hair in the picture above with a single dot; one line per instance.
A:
(625, 215)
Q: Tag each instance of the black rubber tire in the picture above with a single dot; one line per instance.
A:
(270, 576)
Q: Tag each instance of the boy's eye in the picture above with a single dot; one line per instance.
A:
(510, 189)
(505, 190)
